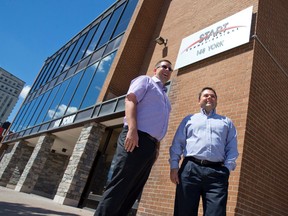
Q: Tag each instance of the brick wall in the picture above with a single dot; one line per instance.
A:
(263, 183)
(229, 73)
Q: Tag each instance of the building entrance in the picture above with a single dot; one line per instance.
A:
(102, 169)
(101, 172)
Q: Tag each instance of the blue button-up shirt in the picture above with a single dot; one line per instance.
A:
(207, 137)
(153, 107)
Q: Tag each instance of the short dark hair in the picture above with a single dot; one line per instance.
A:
(163, 60)
(206, 88)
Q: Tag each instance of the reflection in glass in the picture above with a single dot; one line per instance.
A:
(97, 35)
(31, 111)
(97, 82)
(18, 118)
(71, 59)
(62, 62)
(83, 48)
(113, 45)
(59, 112)
(50, 94)
(56, 100)
(39, 109)
(123, 23)
(111, 26)
(83, 85)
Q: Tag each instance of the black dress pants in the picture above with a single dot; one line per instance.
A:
(131, 172)
(195, 181)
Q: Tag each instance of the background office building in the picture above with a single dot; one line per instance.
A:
(63, 139)
(10, 89)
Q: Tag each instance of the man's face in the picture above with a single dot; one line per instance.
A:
(163, 71)
(208, 100)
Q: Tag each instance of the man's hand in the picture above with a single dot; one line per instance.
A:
(131, 140)
(174, 176)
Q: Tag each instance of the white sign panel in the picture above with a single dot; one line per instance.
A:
(219, 37)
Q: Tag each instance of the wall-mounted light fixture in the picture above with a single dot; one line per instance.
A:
(160, 40)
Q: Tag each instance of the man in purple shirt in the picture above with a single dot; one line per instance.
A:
(147, 110)
(208, 143)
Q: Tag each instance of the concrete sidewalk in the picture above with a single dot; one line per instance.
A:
(18, 203)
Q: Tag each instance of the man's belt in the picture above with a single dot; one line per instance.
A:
(204, 162)
(146, 135)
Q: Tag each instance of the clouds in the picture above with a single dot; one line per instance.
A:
(25, 91)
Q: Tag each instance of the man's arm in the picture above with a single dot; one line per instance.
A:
(130, 112)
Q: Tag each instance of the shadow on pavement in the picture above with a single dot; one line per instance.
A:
(8, 209)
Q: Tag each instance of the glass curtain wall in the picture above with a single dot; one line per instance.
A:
(72, 78)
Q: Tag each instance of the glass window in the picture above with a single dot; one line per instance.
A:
(39, 109)
(52, 70)
(97, 35)
(63, 104)
(125, 19)
(23, 117)
(83, 85)
(35, 112)
(83, 48)
(62, 62)
(113, 45)
(97, 55)
(56, 68)
(18, 118)
(37, 82)
(56, 100)
(111, 26)
(97, 82)
(50, 97)
(31, 111)
(71, 59)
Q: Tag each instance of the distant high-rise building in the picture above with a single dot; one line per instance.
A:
(10, 89)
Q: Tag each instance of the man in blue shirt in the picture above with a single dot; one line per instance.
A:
(208, 143)
(147, 110)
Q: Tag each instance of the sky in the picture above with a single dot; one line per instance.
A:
(32, 30)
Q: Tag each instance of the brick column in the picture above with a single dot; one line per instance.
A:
(9, 161)
(76, 174)
(35, 164)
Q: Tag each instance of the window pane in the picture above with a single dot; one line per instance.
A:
(83, 85)
(62, 62)
(32, 108)
(85, 44)
(97, 36)
(35, 112)
(56, 100)
(18, 118)
(70, 61)
(51, 96)
(39, 109)
(97, 82)
(111, 26)
(125, 19)
(113, 45)
(56, 69)
(67, 97)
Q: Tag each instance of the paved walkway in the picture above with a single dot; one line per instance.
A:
(18, 203)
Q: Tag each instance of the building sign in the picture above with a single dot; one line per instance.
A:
(219, 37)
(67, 120)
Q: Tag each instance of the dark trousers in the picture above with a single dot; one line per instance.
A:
(195, 181)
(131, 172)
